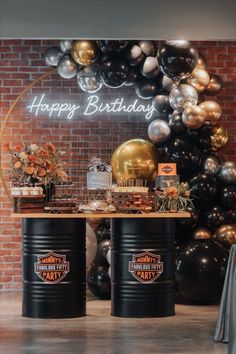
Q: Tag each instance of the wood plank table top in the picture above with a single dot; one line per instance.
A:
(157, 215)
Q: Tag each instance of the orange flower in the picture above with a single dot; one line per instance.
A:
(171, 192)
(41, 172)
(18, 147)
(17, 165)
(50, 147)
(29, 170)
(31, 158)
(43, 153)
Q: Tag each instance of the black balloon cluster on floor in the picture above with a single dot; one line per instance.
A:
(98, 278)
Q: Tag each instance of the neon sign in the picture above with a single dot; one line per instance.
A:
(93, 105)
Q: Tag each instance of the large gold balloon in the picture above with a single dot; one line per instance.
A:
(193, 117)
(202, 62)
(135, 159)
(219, 138)
(199, 79)
(201, 233)
(226, 235)
(214, 86)
(213, 111)
(84, 52)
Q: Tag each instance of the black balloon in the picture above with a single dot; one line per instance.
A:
(161, 103)
(146, 88)
(114, 72)
(215, 217)
(188, 224)
(204, 143)
(228, 196)
(98, 281)
(230, 216)
(176, 124)
(177, 59)
(200, 271)
(102, 232)
(112, 46)
(103, 248)
(203, 189)
(133, 76)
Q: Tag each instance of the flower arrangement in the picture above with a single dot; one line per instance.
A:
(174, 198)
(37, 164)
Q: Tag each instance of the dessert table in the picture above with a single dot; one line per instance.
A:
(54, 264)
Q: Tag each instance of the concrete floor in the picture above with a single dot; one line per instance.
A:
(189, 332)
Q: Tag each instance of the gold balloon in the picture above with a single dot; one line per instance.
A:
(201, 233)
(84, 52)
(193, 117)
(214, 85)
(219, 138)
(135, 159)
(201, 63)
(213, 111)
(199, 79)
(226, 235)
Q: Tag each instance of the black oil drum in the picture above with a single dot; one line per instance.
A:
(54, 268)
(143, 267)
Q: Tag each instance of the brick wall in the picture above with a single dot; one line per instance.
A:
(84, 137)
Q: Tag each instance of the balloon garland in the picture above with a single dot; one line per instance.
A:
(188, 131)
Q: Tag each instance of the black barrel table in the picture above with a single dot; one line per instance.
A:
(54, 268)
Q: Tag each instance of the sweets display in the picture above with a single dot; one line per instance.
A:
(99, 175)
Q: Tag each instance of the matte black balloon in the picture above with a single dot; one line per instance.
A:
(204, 143)
(176, 124)
(146, 88)
(203, 189)
(98, 281)
(114, 72)
(215, 217)
(188, 224)
(177, 59)
(112, 46)
(161, 103)
(102, 232)
(205, 130)
(230, 216)
(133, 76)
(102, 249)
(192, 135)
(228, 196)
(200, 271)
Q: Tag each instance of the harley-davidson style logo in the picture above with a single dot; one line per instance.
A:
(52, 267)
(146, 267)
(167, 169)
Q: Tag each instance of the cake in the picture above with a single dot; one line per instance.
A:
(166, 176)
(99, 180)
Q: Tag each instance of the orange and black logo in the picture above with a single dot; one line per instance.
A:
(146, 267)
(52, 267)
(167, 169)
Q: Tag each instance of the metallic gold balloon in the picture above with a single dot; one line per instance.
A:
(213, 111)
(199, 79)
(219, 138)
(201, 233)
(226, 235)
(214, 85)
(135, 159)
(193, 117)
(202, 62)
(84, 52)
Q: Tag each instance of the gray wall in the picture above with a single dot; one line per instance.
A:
(153, 19)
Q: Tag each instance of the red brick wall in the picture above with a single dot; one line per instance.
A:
(20, 63)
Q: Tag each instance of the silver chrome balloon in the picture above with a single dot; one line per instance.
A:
(52, 56)
(65, 46)
(211, 164)
(89, 78)
(159, 131)
(227, 172)
(183, 96)
(67, 68)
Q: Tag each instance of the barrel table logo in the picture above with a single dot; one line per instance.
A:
(146, 267)
(52, 267)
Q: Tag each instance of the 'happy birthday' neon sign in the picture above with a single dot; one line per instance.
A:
(93, 105)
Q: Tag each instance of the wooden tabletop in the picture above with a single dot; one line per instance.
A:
(101, 215)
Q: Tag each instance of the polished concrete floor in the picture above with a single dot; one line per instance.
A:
(189, 332)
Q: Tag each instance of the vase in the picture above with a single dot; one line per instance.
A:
(49, 190)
